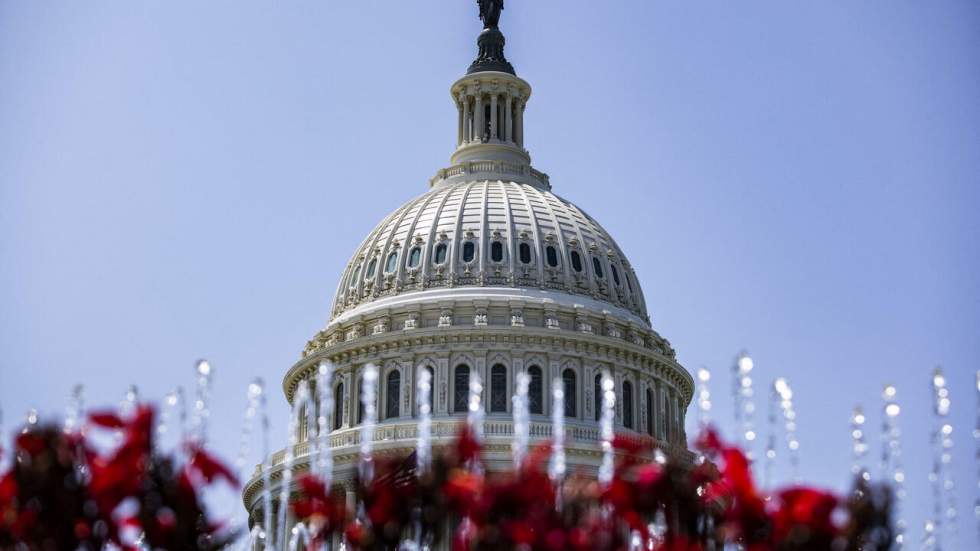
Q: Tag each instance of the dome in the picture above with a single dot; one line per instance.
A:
(490, 234)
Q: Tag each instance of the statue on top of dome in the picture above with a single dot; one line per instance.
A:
(490, 12)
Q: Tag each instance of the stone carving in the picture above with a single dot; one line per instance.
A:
(480, 319)
(517, 318)
(412, 322)
(446, 318)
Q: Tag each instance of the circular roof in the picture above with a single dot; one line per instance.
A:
(485, 233)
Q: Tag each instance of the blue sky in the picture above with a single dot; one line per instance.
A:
(188, 179)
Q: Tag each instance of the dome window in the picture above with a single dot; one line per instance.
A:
(355, 275)
(461, 389)
(628, 284)
(615, 273)
(440, 256)
(552, 256)
(627, 404)
(535, 390)
(469, 251)
(392, 263)
(371, 267)
(498, 389)
(497, 251)
(414, 256)
(568, 386)
(576, 261)
(525, 251)
(597, 267)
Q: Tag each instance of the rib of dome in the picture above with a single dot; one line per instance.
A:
(489, 234)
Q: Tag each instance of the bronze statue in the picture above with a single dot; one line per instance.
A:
(490, 12)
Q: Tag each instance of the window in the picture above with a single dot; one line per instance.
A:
(338, 406)
(627, 404)
(552, 255)
(535, 390)
(615, 273)
(440, 255)
(525, 251)
(498, 389)
(469, 251)
(360, 402)
(414, 256)
(649, 398)
(392, 262)
(568, 382)
(496, 251)
(576, 261)
(597, 267)
(628, 284)
(461, 389)
(355, 276)
(598, 397)
(371, 267)
(392, 394)
(432, 386)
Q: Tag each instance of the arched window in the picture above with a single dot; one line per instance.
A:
(338, 406)
(393, 394)
(576, 261)
(649, 398)
(355, 276)
(461, 389)
(568, 382)
(360, 403)
(598, 397)
(525, 252)
(432, 388)
(627, 404)
(615, 273)
(535, 390)
(440, 255)
(469, 251)
(392, 262)
(371, 267)
(552, 256)
(498, 389)
(497, 251)
(414, 256)
(597, 267)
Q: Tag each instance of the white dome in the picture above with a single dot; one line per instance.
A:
(488, 234)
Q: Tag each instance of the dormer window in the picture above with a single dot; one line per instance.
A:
(497, 251)
(371, 267)
(440, 254)
(615, 273)
(414, 256)
(552, 256)
(469, 251)
(525, 253)
(392, 263)
(576, 261)
(354, 277)
(597, 267)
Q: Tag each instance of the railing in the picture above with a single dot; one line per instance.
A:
(492, 428)
(490, 167)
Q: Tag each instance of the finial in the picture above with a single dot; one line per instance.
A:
(491, 40)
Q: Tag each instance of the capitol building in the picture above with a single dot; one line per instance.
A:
(489, 272)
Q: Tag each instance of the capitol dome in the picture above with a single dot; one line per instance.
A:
(507, 239)
(487, 276)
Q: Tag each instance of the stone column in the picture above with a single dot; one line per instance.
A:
(493, 117)
(459, 125)
(478, 122)
(467, 124)
(519, 131)
(347, 412)
(509, 116)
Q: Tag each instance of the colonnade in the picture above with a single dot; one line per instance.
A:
(495, 116)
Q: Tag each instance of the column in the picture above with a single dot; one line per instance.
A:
(478, 122)
(519, 121)
(459, 125)
(509, 116)
(467, 124)
(493, 117)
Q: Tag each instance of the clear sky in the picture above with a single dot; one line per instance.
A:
(800, 179)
